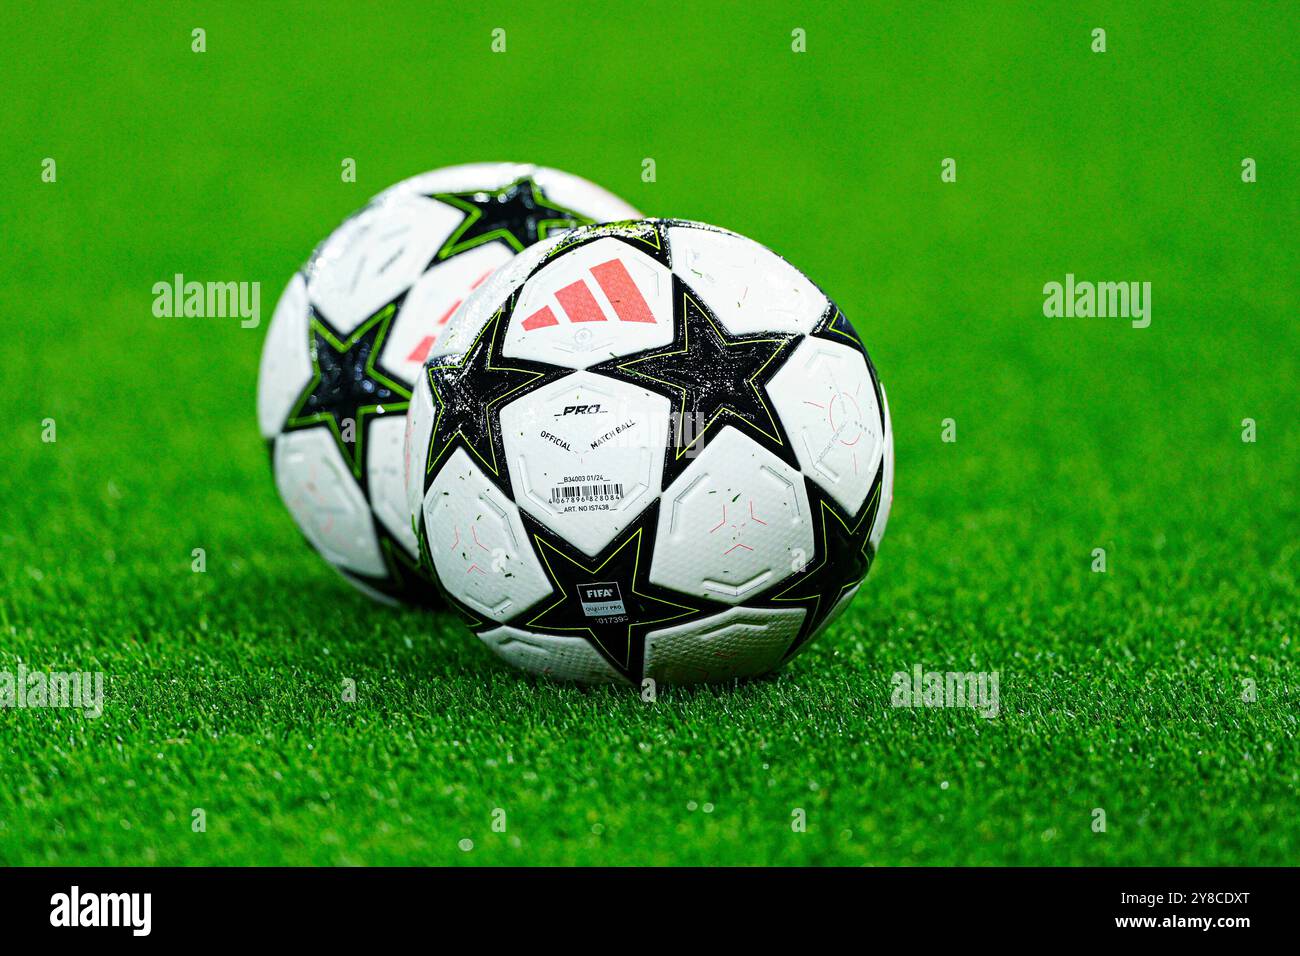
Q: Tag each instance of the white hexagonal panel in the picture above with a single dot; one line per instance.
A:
(597, 301)
(827, 402)
(739, 642)
(746, 285)
(560, 658)
(887, 482)
(586, 455)
(376, 255)
(431, 303)
(326, 501)
(478, 543)
(384, 439)
(732, 522)
(286, 363)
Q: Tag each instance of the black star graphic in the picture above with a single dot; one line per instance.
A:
(605, 599)
(466, 392)
(719, 378)
(518, 214)
(347, 388)
(834, 326)
(843, 552)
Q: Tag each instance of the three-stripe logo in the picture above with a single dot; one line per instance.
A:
(578, 304)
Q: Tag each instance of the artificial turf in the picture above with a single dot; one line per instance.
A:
(1121, 690)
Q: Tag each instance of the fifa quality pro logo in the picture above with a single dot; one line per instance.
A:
(602, 599)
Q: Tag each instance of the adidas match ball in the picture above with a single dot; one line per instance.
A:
(649, 449)
(352, 330)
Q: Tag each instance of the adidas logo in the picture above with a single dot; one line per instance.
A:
(577, 303)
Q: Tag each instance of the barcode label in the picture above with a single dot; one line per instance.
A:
(571, 494)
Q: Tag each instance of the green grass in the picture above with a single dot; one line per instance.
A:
(1120, 690)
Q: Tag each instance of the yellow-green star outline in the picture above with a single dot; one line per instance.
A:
(832, 330)
(774, 434)
(543, 546)
(871, 509)
(647, 233)
(570, 220)
(495, 324)
(384, 315)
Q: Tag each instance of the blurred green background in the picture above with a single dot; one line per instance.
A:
(1121, 691)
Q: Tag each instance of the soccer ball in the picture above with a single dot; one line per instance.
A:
(352, 330)
(649, 449)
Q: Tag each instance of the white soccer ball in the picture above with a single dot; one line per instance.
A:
(650, 449)
(352, 330)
